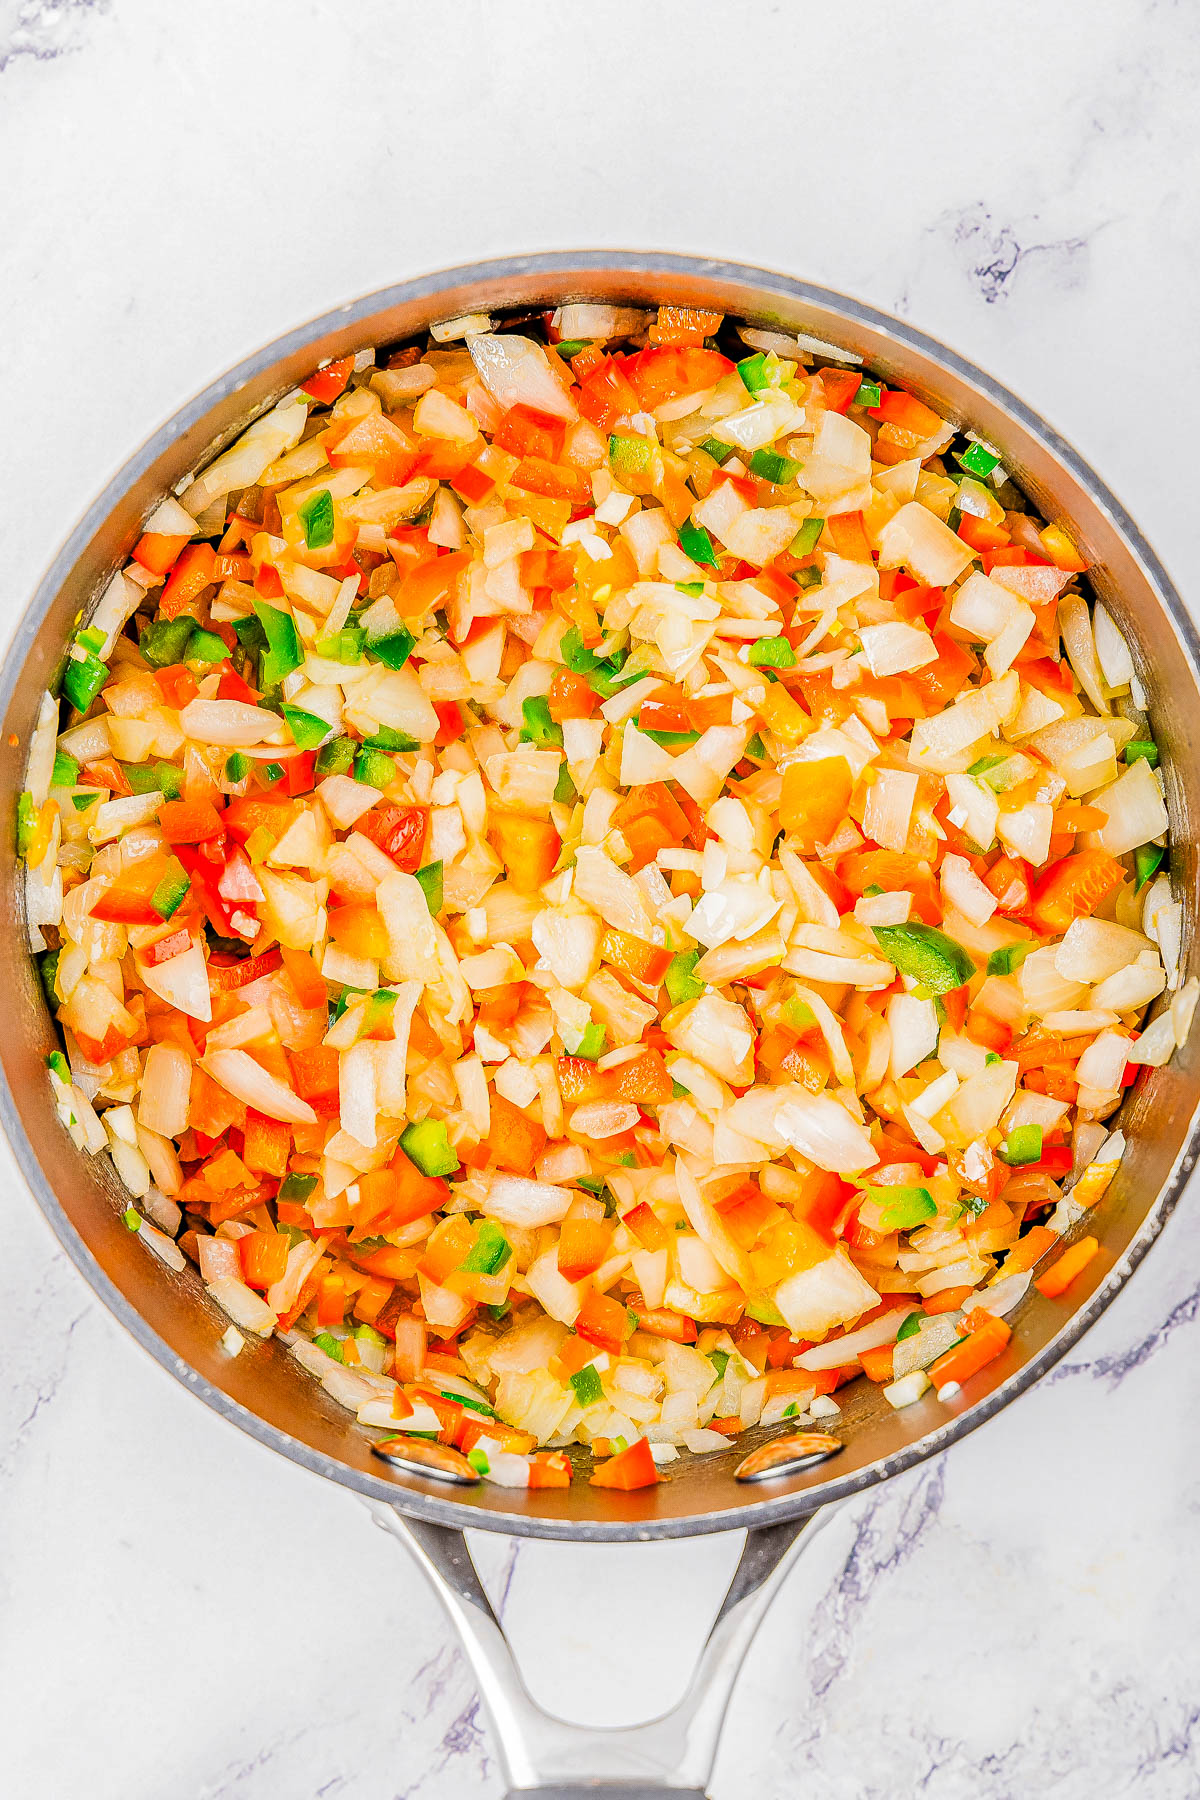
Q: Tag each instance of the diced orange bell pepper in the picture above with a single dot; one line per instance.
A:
(631, 1468)
(158, 551)
(647, 1227)
(268, 1143)
(189, 821)
(514, 1141)
(965, 1359)
(684, 325)
(949, 1300)
(645, 1080)
(1030, 1249)
(840, 387)
(428, 586)
(549, 1469)
(448, 1246)
(604, 1322)
(898, 408)
(315, 1073)
(264, 1257)
(582, 1246)
(359, 930)
(376, 443)
(815, 800)
(877, 1363)
(605, 395)
(571, 697)
(393, 1197)
(559, 481)
(580, 1081)
(1073, 888)
(1061, 550)
(528, 848)
(305, 977)
(981, 534)
(193, 572)
(635, 958)
(1062, 1272)
(650, 819)
(939, 681)
(125, 903)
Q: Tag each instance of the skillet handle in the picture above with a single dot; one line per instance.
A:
(551, 1759)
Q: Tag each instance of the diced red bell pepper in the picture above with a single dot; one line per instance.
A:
(125, 904)
(194, 571)
(399, 831)
(373, 442)
(666, 372)
(583, 1245)
(571, 696)
(189, 821)
(528, 848)
(329, 380)
(1073, 888)
(526, 432)
(840, 387)
(178, 685)
(158, 551)
(605, 394)
(514, 1141)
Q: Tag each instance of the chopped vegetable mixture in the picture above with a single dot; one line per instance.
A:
(600, 874)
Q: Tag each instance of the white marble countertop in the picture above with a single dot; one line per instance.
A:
(183, 1614)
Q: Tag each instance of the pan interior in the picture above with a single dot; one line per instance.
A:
(263, 1390)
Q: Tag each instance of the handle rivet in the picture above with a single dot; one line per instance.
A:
(787, 1456)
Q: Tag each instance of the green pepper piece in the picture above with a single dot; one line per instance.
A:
(84, 678)
(1008, 959)
(770, 466)
(61, 1067)
(296, 1188)
(569, 347)
(910, 1327)
(760, 371)
(759, 1307)
(397, 742)
(1022, 1145)
(679, 981)
(806, 539)
(591, 1044)
(868, 393)
(1142, 750)
(325, 1340)
(538, 727)
(977, 461)
(91, 638)
(283, 653)
(345, 646)
(205, 646)
(48, 970)
(427, 1144)
(490, 1251)
(696, 544)
(170, 893)
(393, 648)
(927, 956)
(771, 653)
(26, 820)
(565, 791)
(336, 757)
(430, 879)
(587, 1385)
(316, 515)
(374, 768)
(628, 455)
(307, 729)
(66, 770)
(1146, 861)
(164, 642)
(719, 452)
(902, 1208)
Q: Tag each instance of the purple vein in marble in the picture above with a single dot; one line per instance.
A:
(44, 29)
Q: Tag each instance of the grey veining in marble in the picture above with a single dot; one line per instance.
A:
(184, 1616)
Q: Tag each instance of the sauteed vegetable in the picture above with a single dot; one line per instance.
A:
(601, 875)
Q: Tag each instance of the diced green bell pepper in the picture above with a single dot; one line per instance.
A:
(696, 544)
(927, 956)
(679, 981)
(1008, 960)
(1146, 861)
(66, 770)
(769, 465)
(1022, 1145)
(772, 653)
(392, 648)
(316, 516)
(283, 652)
(432, 885)
(490, 1251)
(910, 1327)
(719, 452)
(325, 1340)
(164, 642)
(374, 768)
(84, 678)
(205, 647)
(62, 1068)
(345, 646)
(628, 455)
(91, 638)
(48, 970)
(760, 371)
(807, 538)
(1142, 750)
(171, 891)
(427, 1144)
(296, 1188)
(26, 820)
(237, 767)
(587, 1385)
(307, 729)
(537, 726)
(902, 1208)
(396, 742)
(336, 757)
(976, 460)
(868, 393)
(591, 1043)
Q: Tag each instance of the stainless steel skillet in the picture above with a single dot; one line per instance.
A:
(263, 1391)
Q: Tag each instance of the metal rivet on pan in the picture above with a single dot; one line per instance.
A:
(420, 1457)
(787, 1455)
